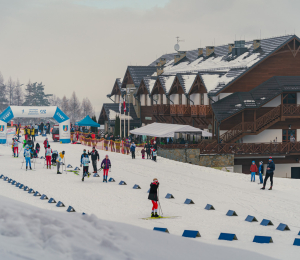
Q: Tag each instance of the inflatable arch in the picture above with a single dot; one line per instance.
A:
(33, 112)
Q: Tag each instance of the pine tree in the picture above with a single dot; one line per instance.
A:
(18, 94)
(35, 95)
(117, 126)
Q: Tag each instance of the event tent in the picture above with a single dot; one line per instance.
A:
(168, 130)
(87, 121)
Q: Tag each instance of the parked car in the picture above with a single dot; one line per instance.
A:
(55, 134)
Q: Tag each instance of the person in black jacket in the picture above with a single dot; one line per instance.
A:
(154, 197)
(94, 156)
(148, 150)
(269, 173)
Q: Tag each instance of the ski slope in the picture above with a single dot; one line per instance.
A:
(113, 202)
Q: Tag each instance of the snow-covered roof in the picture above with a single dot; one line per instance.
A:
(221, 68)
(149, 83)
(167, 130)
(166, 82)
(112, 115)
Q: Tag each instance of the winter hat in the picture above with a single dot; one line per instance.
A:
(261, 162)
(155, 179)
(270, 158)
(253, 161)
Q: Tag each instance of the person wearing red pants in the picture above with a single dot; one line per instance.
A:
(48, 153)
(16, 147)
(105, 165)
(154, 197)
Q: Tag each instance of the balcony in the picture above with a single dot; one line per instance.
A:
(184, 110)
(164, 110)
(201, 111)
(173, 110)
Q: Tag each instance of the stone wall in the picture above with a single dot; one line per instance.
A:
(193, 156)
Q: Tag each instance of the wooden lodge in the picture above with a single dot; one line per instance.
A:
(247, 94)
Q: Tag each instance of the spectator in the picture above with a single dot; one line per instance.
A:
(132, 150)
(261, 171)
(292, 139)
(269, 173)
(253, 170)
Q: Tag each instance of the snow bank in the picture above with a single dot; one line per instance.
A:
(27, 232)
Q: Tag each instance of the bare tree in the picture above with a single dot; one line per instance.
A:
(64, 106)
(10, 88)
(75, 108)
(3, 96)
(18, 94)
(55, 101)
(87, 108)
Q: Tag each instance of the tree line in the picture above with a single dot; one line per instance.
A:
(12, 93)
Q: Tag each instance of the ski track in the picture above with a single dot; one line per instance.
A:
(110, 201)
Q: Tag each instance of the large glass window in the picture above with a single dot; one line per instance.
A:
(286, 134)
(202, 99)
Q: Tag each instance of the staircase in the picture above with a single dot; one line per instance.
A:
(252, 128)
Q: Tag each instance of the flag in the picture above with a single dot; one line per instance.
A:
(124, 105)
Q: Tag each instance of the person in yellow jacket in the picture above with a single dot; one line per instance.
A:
(18, 132)
(32, 133)
(59, 160)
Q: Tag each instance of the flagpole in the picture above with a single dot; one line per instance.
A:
(124, 107)
(128, 114)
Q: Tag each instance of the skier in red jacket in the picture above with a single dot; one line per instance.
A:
(253, 170)
(154, 197)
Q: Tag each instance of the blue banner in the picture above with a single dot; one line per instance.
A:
(7, 115)
(60, 116)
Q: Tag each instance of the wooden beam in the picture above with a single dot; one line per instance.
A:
(297, 51)
(254, 120)
(243, 121)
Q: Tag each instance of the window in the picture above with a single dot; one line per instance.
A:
(286, 134)
(289, 98)
(161, 99)
(146, 100)
(202, 99)
(180, 99)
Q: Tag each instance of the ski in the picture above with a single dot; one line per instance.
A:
(151, 218)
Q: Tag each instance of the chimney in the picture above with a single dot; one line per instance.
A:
(200, 52)
(159, 70)
(256, 44)
(162, 62)
(210, 50)
(230, 46)
(178, 57)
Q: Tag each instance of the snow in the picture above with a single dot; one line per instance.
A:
(188, 81)
(211, 81)
(150, 82)
(168, 82)
(28, 232)
(113, 114)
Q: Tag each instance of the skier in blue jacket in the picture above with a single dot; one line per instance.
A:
(132, 150)
(84, 161)
(27, 155)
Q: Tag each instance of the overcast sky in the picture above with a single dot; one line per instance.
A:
(84, 45)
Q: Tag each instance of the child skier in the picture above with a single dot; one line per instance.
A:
(84, 161)
(16, 147)
(154, 154)
(253, 171)
(27, 155)
(48, 156)
(143, 153)
(153, 197)
(105, 165)
(60, 160)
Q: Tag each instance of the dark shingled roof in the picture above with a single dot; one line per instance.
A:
(256, 97)
(115, 107)
(138, 72)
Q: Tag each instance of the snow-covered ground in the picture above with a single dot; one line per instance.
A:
(113, 202)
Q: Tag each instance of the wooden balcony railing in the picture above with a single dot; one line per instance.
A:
(291, 110)
(240, 148)
(201, 110)
(155, 109)
(174, 110)
(164, 110)
(184, 110)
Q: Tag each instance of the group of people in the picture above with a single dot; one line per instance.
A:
(150, 148)
(85, 160)
(260, 170)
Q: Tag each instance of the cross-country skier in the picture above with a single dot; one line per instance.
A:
(143, 153)
(105, 165)
(154, 197)
(59, 160)
(84, 161)
(48, 156)
(16, 147)
(94, 156)
(27, 155)
(148, 150)
(269, 173)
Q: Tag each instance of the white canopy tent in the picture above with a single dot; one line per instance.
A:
(168, 130)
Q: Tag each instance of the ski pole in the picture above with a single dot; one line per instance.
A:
(159, 202)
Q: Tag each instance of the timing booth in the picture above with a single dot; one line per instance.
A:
(35, 112)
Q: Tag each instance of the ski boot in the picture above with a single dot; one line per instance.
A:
(156, 215)
(152, 215)
(103, 179)
(88, 174)
(47, 166)
(58, 172)
(26, 168)
(82, 179)
(50, 167)
(262, 188)
(30, 168)
(270, 188)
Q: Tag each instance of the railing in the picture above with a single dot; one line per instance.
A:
(240, 148)
(174, 110)
(184, 110)
(291, 110)
(268, 117)
(155, 109)
(232, 133)
(164, 110)
(201, 110)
